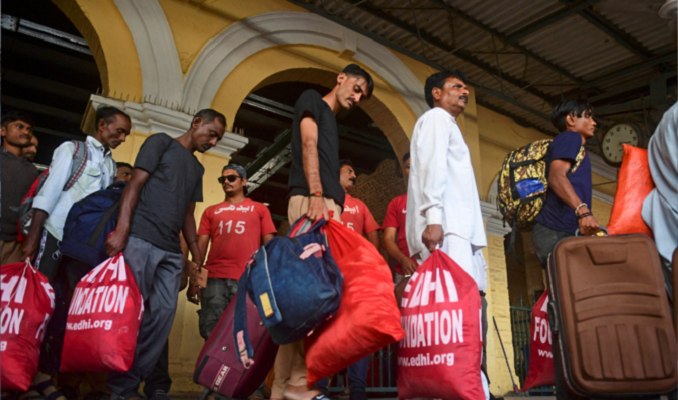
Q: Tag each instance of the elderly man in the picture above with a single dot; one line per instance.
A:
(443, 208)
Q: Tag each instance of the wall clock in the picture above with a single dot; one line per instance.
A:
(622, 132)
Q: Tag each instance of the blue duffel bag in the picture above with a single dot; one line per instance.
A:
(294, 282)
(88, 224)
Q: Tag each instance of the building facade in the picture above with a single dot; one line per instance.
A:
(162, 60)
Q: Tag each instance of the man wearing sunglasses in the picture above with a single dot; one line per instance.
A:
(236, 228)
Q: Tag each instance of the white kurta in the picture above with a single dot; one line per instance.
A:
(442, 190)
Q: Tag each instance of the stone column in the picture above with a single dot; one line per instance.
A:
(498, 303)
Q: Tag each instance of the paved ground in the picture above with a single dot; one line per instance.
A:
(196, 396)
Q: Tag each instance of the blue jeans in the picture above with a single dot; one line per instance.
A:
(357, 376)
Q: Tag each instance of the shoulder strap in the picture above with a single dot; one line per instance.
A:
(578, 161)
(79, 163)
(240, 334)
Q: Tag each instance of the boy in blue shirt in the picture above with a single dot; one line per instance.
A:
(568, 199)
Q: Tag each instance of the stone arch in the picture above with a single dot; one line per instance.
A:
(80, 20)
(378, 111)
(240, 40)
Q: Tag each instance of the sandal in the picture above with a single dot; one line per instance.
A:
(40, 388)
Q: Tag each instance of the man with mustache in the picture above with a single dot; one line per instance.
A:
(315, 189)
(18, 175)
(443, 207)
(32, 150)
(356, 216)
(51, 206)
(158, 202)
(236, 227)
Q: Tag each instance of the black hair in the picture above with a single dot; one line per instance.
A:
(13, 116)
(123, 165)
(346, 161)
(406, 157)
(208, 115)
(576, 108)
(437, 80)
(108, 113)
(356, 71)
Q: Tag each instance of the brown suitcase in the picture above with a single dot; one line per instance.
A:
(610, 318)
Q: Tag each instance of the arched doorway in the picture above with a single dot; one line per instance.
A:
(48, 70)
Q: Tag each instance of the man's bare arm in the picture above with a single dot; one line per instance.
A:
(560, 184)
(391, 246)
(373, 237)
(189, 231)
(309, 146)
(117, 241)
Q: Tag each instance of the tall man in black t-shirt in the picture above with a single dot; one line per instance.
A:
(315, 189)
(158, 202)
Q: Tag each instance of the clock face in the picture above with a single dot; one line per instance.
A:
(615, 137)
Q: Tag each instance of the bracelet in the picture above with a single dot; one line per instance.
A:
(588, 214)
(316, 194)
(401, 259)
(576, 211)
(195, 241)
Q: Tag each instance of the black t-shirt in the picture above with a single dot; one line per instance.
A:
(18, 174)
(328, 148)
(175, 182)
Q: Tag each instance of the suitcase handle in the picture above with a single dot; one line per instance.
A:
(602, 228)
(553, 317)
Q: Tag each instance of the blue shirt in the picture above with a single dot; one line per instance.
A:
(556, 214)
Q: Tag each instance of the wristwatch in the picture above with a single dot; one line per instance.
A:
(316, 194)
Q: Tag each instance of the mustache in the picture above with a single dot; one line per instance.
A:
(464, 97)
(352, 180)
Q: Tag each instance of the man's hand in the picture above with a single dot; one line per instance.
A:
(408, 266)
(588, 226)
(30, 246)
(432, 236)
(193, 293)
(116, 242)
(317, 208)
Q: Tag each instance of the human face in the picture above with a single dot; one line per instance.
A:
(351, 90)
(124, 174)
(235, 187)
(407, 169)
(347, 177)
(453, 97)
(206, 135)
(17, 133)
(584, 125)
(112, 134)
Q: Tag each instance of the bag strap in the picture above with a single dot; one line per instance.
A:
(80, 155)
(240, 336)
(103, 223)
(303, 226)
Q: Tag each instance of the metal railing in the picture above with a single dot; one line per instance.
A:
(381, 374)
(521, 315)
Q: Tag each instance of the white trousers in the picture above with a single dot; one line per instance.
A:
(461, 251)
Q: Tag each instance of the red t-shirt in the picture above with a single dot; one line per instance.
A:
(396, 214)
(357, 217)
(235, 233)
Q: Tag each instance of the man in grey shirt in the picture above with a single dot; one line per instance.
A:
(18, 175)
(158, 202)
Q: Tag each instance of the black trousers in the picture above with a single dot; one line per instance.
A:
(159, 379)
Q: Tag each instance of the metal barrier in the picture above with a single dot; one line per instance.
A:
(381, 374)
(520, 328)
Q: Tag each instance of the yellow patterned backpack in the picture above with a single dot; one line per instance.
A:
(523, 183)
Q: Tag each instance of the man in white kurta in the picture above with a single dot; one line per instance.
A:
(443, 208)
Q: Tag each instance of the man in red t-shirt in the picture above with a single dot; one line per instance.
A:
(394, 227)
(236, 228)
(356, 216)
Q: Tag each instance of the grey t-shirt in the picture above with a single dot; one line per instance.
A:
(175, 182)
(18, 174)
